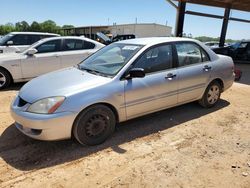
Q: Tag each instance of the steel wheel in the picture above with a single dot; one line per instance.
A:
(94, 125)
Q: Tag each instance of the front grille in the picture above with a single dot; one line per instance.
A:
(21, 102)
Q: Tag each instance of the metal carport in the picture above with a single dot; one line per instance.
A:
(243, 5)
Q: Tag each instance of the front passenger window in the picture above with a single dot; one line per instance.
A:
(156, 59)
(50, 46)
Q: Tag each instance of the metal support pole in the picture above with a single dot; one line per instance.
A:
(224, 27)
(180, 18)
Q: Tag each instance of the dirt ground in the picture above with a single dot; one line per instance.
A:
(186, 146)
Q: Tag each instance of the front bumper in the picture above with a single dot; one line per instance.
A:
(56, 126)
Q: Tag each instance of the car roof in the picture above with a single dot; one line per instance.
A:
(155, 40)
(33, 33)
(68, 37)
(151, 41)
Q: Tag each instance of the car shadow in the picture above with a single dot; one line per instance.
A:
(25, 154)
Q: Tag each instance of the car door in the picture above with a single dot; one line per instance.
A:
(47, 58)
(19, 43)
(74, 51)
(193, 71)
(158, 89)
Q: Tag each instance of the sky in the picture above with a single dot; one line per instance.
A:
(100, 12)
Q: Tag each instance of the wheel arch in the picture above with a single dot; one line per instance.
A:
(3, 68)
(114, 110)
(220, 81)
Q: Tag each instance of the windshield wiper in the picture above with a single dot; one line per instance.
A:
(92, 71)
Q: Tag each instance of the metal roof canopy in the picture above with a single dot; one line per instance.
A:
(243, 5)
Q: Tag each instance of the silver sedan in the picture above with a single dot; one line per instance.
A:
(122, 81)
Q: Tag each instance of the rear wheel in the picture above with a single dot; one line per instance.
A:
(211, 95)
(5, 79)
(94, 125)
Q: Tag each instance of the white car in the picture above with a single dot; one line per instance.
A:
(46, 55)
(18, 41)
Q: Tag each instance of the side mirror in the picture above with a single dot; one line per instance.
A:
(31, 51)
(9, 42)
(136, 73)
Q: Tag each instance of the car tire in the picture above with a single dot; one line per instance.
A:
(211, 95)
(5, 79)
(94, 125)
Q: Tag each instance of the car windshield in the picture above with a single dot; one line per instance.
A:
(109, 60)
(5, 39)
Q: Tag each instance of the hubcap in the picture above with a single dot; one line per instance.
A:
(2, 79)
(213, 94)
(96, 125)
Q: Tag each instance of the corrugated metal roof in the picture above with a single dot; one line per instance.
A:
(243, 5)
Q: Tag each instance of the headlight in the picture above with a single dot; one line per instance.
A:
(46, 106)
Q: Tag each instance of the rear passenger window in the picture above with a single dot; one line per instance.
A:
(189, 53)
(88, 45)
(204, 56)
(72, 44)
(35, 38)
(156, 59)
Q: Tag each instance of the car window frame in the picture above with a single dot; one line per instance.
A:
(60, 46)
(200, 48)
(148, 49)
(18, 35)
(83, 42)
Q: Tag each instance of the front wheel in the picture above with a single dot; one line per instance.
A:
(5, 79)
(211, 95)
(94, 125)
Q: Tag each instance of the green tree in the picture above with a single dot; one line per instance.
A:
(50, 27)
(67, 26)
(22, 26)
(7, 28)
(35, 27)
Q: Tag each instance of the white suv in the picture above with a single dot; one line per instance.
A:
(18, 41)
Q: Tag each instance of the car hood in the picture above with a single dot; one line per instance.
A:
(63, 82)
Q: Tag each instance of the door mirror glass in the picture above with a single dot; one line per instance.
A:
(31, 51)
(136, 73)
(10, 42)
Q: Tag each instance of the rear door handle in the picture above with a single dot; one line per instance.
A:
(170, 76)
(207, 68)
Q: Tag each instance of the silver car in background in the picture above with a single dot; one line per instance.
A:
(124, 80)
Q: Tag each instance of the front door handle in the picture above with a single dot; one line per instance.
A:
(170, 76)
(207, 68)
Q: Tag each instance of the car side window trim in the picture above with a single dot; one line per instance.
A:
(147, 50)
(195, 44)
(59, 47)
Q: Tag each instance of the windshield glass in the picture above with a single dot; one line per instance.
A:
(5, 39)
(109, 60)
